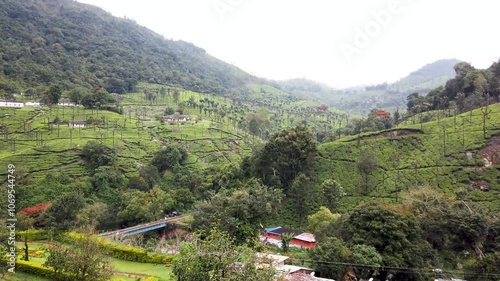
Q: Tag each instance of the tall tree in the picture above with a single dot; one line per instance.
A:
(96, 155)
(331, 192)
(394, 234)
(85, 260)
(285, 155)
(216, 257)
(63, 212)
(367, 164)
(52, 95)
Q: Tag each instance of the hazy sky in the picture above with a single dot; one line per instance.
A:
(339, 42)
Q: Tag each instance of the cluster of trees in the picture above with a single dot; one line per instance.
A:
(86, 259)
(471, 88)
(106, 198)
(386, 241)
(214, 255)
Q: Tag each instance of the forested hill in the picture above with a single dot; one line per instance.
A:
(75, 44)
(428, 77)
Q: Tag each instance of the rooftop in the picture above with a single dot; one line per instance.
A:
(280, 230)
(297, 234)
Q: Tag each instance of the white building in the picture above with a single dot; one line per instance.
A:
(33, 104)
(77, 124)
(11, 103)
(66, 104)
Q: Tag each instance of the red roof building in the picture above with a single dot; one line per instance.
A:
(300, 239)
(382, 113)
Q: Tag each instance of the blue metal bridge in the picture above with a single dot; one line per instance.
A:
(142, 227)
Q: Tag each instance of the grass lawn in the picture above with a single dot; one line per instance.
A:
(20, 276)
(160, 271)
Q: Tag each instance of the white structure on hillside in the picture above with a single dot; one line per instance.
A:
(289, 272)
(33, 104)
(66, 104)
(77, 124)
(11, 103)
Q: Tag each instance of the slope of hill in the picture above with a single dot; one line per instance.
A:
(74, 44)
(451, 154)
(426, 78)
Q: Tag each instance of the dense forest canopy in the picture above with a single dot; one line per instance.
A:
(62, 41)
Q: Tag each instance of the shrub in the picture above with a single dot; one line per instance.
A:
(127, 253)
(39, 235)
(39, 270)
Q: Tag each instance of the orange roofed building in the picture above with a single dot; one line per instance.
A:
(382, 113)
(300, 239)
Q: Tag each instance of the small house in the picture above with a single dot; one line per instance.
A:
(77, 124)
(11, 103)
(300, 239)
(177, 118)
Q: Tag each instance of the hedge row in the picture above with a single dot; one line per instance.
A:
(39, 235)
(126, 253)
(37, 269)
(121, 252)
(135, 254)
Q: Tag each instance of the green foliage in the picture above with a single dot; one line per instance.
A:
(36, 234)
(53, 95)
(329, 253)
(97, 99)
(367, 164)
(216, 257)
(168, 157)
(63, 212)
(81, 45)
(331, 193)
(58, 259)
(123, 252)
(285, 155)
(366, 255)
(485, 269)
(96, 155)
(92, 215)
(321, 219)
(138, 207)
(85, 260)
(169, 111)
(285, 241)
(39, 270)
(395, 235)
(469, 89)
(238, 211)
(108, 177)
(150, 175)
